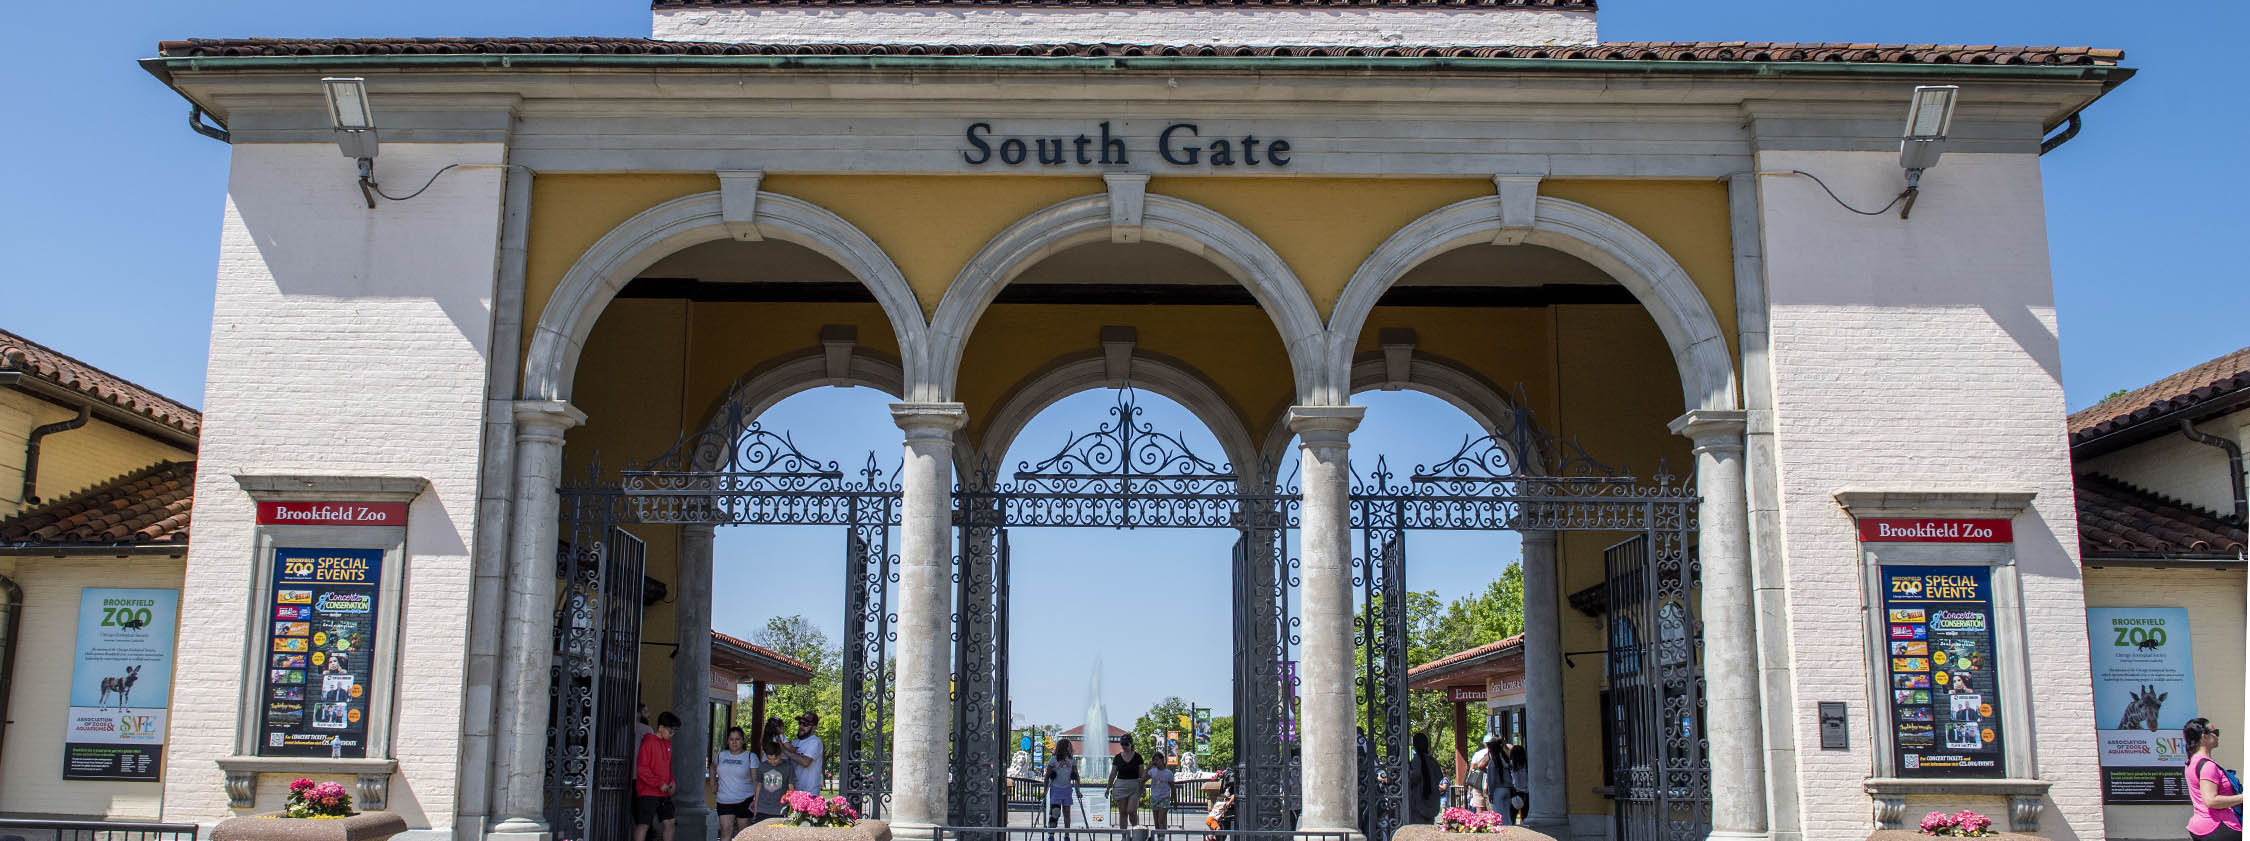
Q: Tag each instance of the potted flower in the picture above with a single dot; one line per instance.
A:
(1967, 823)
(316, 811)
(1457, 821)
(810, 817)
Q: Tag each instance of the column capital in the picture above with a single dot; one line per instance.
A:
(1712, 430)
(546, 418)
(929, 420)
(1539, 537)
(1325, 425)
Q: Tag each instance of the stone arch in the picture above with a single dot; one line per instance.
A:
(1151, 372)
(1699, 347)
(551, 360)
(1169, 221)
(1435, 376)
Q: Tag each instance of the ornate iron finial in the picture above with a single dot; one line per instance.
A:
(1124, 448)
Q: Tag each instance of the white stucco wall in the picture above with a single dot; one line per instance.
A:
(1920, 355)
(344, 341)
(2176, 467)
(1337, 26)
(31, 764)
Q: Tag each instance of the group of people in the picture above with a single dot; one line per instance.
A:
(1498, 781)
(1130, 777)
(747, 784)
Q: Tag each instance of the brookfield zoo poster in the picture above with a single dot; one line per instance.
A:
(2144, 691)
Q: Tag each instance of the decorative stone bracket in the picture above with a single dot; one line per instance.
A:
(373, 777)
(2026, 798)
(1128, 192)
(738, 203)
(1519, 208)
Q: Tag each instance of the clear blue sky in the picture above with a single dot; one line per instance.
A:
(110, 216)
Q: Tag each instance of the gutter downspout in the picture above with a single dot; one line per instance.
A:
(31, 450)
(11, 614)
(2234, 467)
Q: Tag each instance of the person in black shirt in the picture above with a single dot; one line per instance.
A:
(1125, 774)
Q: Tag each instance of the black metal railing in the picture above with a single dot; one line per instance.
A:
(1025, 794)
(26, 829)
(1081, 833)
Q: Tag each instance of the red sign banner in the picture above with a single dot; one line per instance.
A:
(331, 513)
(1934, 530)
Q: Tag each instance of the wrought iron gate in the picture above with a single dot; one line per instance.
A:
(1660, 756)
(596, 667)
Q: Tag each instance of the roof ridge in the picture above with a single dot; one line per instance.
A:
(9, 340)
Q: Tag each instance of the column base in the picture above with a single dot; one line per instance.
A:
(1346, 833)
(914, 832)
(693, 822)
(1555, 825)
(1737, 835)
(520, 829)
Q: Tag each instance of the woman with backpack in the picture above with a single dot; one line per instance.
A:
(2212, 790)
(1062, 785)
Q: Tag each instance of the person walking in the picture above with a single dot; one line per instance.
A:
(652, 779)
(731, 770)
(1062, 785)
(1474, 782)
(1499, 786)
(1519, 774)
(1125, 770)
(806, 751)
(1160, 778)
(1422, 787)
(776, 774)
(2210, 791)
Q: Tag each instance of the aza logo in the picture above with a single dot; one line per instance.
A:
(1909, 587)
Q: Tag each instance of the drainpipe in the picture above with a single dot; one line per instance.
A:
(11, 613)
(31, 450)
(2234, 467)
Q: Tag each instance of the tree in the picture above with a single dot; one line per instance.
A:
(1222, 744)
(796, 637)
(1149, 729)
(1435, 629)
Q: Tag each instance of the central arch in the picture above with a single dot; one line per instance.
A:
(1168, 221)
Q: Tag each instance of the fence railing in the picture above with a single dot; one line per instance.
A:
(1030, 795)
(1041, 833)
(30, 829)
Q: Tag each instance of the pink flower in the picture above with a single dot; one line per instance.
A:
(299, 785)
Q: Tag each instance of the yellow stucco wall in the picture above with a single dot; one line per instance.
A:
(69, 461)
(2213, 599)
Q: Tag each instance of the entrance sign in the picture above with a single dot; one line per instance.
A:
(319, 652)
(1944, 687)
(2144, 691)
(273, 513)
(1935, 530)
(1179, 144)
(120, 684)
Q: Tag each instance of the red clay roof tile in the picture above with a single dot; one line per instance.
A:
(2118, 520)
(147, 506)
(38, 360)
(2203, 383)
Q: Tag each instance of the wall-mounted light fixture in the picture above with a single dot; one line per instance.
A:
(355, 127)
(1929, 119)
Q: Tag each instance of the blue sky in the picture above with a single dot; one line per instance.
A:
(110, 219)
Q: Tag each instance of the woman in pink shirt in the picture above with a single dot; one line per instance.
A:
(2209, 790)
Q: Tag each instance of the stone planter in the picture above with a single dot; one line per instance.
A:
(1916, 835)
(1430, 832)
(365, 826)
(777, 829)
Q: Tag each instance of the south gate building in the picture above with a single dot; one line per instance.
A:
(1794, 455)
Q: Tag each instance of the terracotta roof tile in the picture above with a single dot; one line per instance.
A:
(1467, 654)
(147, 506)
(46, 363)
(2209, 381)
(2118, 520)
(1682, 51)
(761, 651)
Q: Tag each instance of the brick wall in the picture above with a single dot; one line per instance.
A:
(345, 341)
(1920, 355)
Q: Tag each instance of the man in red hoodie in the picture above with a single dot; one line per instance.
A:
(652, 779)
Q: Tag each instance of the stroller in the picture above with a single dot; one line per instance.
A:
(1221, 818)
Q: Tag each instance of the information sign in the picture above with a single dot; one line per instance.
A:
(120, 684)
(2144, 691)
(318, 656)
(1202, 731)
(1945, 698)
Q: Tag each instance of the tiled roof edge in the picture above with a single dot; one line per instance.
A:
(2219, 377)
(1940, 55)
(175, 529)
(54, 366)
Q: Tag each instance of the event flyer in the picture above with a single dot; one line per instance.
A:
(120, 684)
(1945, 700)
(2144, 691)
(318, 658)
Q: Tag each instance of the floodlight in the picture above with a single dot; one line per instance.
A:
(355, 127)
(1929, 119)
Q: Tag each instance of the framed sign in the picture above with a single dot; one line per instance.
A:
(2144, 690)
(120, 684)
(1943, 682)
(321, 623)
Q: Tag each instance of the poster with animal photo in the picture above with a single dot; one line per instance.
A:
(2144, 690)
(120, 684)
(328, 597)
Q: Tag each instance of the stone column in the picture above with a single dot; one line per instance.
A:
(527, 650)
(925, 607)
(1325, 672)
(1732, 718)
(691, 680)
(1542, 682)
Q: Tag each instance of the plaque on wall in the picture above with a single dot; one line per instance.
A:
(1942, 681)
(320, 618)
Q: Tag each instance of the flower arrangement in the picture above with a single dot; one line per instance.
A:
(1457, 819)
(809, 809)
(308, 799)
(1963, 824)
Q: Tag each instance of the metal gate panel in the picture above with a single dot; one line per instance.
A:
(1660, 757)
(596, 673)
(870, 626)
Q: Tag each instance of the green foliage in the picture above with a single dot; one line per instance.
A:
(796, 637)
(1149, 729)
(1222, 744)
(1434, 630)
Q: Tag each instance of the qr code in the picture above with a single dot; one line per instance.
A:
(1913, 761)
(273, 740)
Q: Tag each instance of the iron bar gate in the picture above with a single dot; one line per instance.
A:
(1660, 758)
